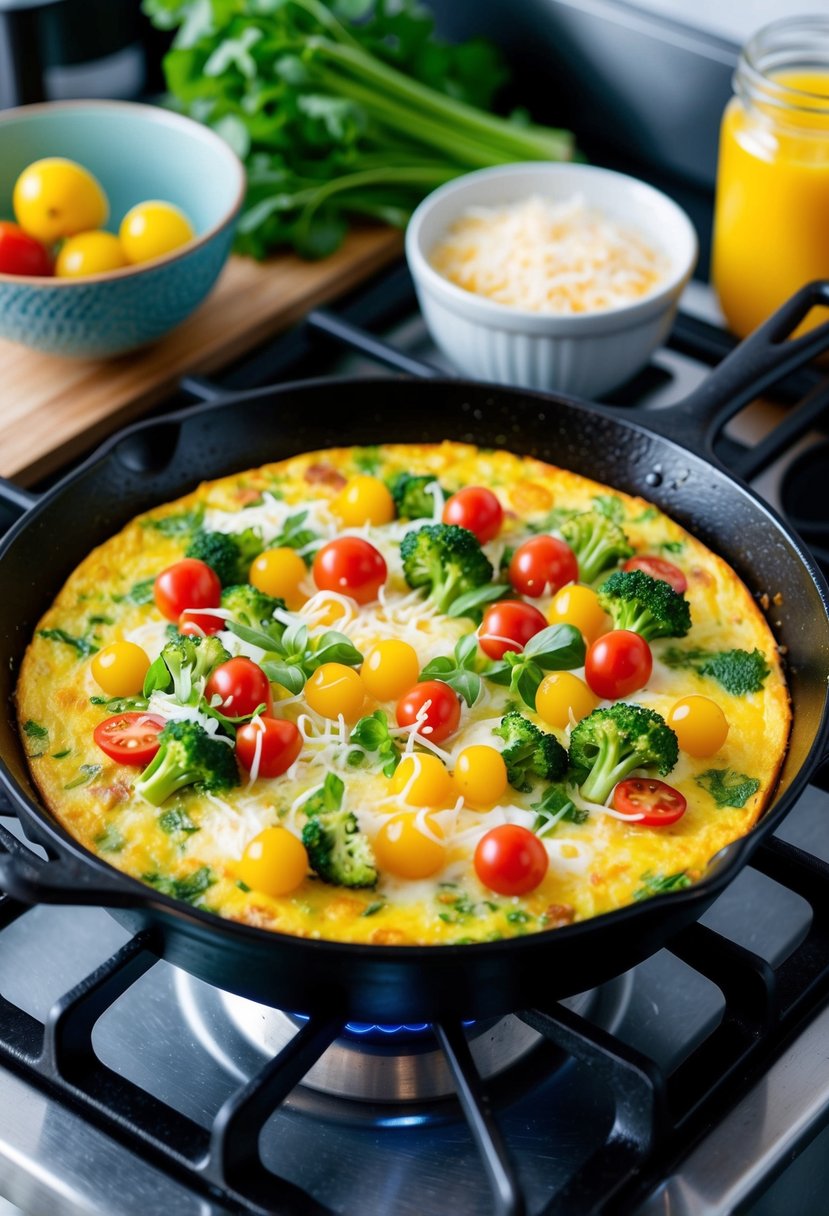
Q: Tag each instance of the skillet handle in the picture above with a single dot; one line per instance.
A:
(31, 880)
(15, 499)
(762, 359)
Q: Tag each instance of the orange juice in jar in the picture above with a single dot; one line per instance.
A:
(771, 224)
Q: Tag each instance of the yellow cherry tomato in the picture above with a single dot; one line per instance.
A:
(579, 606)
(89, 253)
(119, 669)
(480, 774)
(335, 689)
(390, 669)
(274, 862)
(279, 572)
(700, 725)
(430, 785)
(364, 500)
(401, 847)
(56, 197)
(560, 695)
(152, 229)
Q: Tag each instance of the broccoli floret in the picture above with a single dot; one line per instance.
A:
(338, 851)
(530, 752)
(737, 671)
(412, 499)
(187, 755)
(597, 542)
(229, 554)
(446, 559)
(610, 743)
(647, 606)
(250, 606)
(190, 661)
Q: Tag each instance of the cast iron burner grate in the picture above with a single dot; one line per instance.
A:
(656, 1117)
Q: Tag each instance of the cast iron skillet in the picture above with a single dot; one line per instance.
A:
(159, 460)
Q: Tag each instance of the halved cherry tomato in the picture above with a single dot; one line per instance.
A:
(186, 584)
(280, 746)
(200, 624)
(442, 716)
(617, 664)
(508, 625)
(542, 564)
(21, 253)
(476, 509)
(130, 738)
(657, 567)
(242, 686)
(658, 803)
(351, 566)
(511, 860)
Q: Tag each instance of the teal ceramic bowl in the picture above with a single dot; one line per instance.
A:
(137, 152)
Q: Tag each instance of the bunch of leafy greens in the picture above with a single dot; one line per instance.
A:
(340, 109)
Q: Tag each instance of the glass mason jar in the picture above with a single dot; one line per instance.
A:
(771, 224)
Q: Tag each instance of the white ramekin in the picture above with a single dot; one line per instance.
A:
(585, 355)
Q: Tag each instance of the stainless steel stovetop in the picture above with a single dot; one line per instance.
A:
(374, 1130)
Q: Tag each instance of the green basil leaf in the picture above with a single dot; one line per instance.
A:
(289, 675)
(157, 679)
(255, 637)
(499, 672)
(557, 648)
(295, 639)
(437, 669)
(471, 603)
(371, 731)
(466, 649)
(526, 679)
(467, 684)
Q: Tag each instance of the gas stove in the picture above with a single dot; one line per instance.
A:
(687, 1086)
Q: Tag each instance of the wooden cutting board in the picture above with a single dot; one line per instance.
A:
(54, 409)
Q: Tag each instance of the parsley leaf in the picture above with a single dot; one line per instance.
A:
(657, 884)
(83, 646)
(727, 787)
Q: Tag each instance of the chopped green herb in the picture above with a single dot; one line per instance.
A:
(139, 593)
(243, 886)
(101, 620)
(329, 796)
(180, 524)
(188, 889)
(83, 646)
(647, 515)
(670, 546)
(374, 908)
(60, 755)
(727, 787)
(175, 821)
(367, 460)
(555, 805)
(110, 840)
(657, 884)
(34, 730)
(120, 705)
(517, 917)
(86, 773)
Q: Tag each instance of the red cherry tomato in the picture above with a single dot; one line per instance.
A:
(617, 664)
(21, 253)
(130, 738)
(242, 686)
(441, 718)
(657, 567)
(186, 584)
(351, 566)
(280, 746)
(658, 803)
(509, 625)
(476, 509)
(541, 564)
(511, 860)
(200, 624)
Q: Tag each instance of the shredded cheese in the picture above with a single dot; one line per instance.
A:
(548, 256)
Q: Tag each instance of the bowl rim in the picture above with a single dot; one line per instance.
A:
(154, 114)
(481, 309)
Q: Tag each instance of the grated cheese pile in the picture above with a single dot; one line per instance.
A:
(548, 257)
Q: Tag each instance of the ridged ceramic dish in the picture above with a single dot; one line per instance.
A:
(137, 152)
(586, 354)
